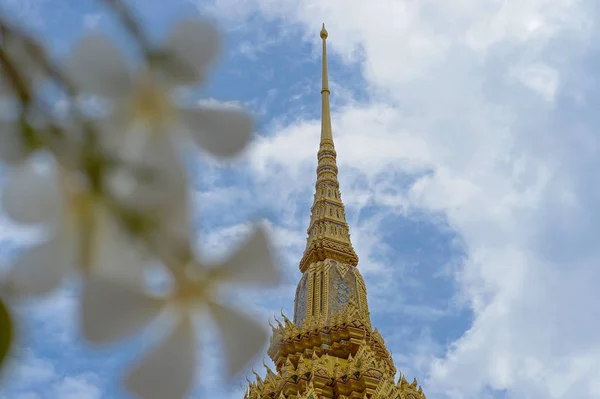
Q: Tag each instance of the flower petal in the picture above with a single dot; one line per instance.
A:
(193, 44)
(253, 263)
(223, 132)
(117, 256)
(172, 236)
(13, 148)
(113, 130)
(156, 186)
(151, 175)
(242, 336)
(32, 196)
(111, 311)
(97, 67)
(168, 371)
(40, 270)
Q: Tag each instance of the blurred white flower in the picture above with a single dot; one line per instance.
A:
(143, 104)
(131, 169)
(84, 235)
(111, 311)
(144, 118)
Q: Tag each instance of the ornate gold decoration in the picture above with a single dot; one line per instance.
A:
(330, 349)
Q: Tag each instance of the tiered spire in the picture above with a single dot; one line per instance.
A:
(330, 350)
(328, 232)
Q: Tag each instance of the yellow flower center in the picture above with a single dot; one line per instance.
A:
(151, 102)
(193, 288)
(81, 218)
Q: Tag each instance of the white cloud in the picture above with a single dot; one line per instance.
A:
(516, 189)
(539, 78)
(27, 395)
(92, 21)
(214, 103)
(82, 386)
(31, 368)
(34, 377)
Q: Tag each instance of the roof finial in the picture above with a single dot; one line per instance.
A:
(323, 32)
(326, 133)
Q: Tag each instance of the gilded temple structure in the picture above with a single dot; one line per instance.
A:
(330, 349)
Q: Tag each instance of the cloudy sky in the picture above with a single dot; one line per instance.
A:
(468, 151)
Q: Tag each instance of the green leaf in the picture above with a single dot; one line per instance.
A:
(6, 331)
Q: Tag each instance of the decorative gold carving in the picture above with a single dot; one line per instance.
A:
(342, 269)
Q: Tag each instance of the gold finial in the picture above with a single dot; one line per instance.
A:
(326, 117)
(324, 33)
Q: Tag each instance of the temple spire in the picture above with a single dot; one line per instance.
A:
(330, 350)
(328, 232)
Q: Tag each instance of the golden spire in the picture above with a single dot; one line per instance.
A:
(330, 304)
(328, 232)
(326, 133)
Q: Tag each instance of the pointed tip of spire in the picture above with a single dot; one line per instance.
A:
(324, 33)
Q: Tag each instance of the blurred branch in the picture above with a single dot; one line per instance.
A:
(6, 332)
(10, 71)
(35, 50)
(126, 16)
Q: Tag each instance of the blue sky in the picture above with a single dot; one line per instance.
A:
(468, 150)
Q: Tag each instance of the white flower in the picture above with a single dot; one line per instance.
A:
(111, 311)
(142, 105)
(84, 235)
